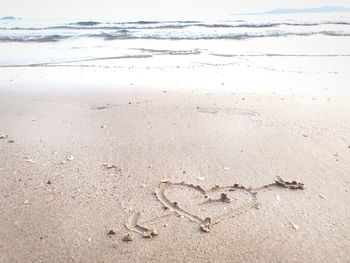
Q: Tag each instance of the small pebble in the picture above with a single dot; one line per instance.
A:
(322, 196)
(164, 181)
(226, 168)
(128, 237)
(296, 227)
(110, 165)
(70, 158)
(111, 232)
(26, 202)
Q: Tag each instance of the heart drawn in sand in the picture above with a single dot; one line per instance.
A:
(205, 207)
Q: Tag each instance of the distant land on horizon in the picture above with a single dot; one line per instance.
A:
(9, 18)
(323, 9)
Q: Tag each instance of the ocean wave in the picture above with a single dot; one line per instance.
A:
(43, 39)
(228, 36)
(86, 23)
(335, 33)
(124, 34)
(145, 25)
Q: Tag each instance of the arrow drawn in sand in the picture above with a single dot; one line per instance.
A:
(217, 196)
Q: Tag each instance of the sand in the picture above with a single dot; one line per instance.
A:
(85, 157)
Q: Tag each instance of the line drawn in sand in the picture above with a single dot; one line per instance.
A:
(209, 200)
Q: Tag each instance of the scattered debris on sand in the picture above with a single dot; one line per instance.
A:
(322, 196)
(3, 136)
(206, 225)
(11, 141)
(102, 107)
(111, 232)
(150, 234)
(70, 158)
(129, 237)
(224, 198)
(164, 181)
(215, 187)
(113, 166)
(110, 165)
(296, 227)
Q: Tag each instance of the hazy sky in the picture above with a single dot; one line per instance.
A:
(109, 9)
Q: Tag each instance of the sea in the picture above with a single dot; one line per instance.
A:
(287, 43)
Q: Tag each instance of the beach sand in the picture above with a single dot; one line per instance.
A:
(77, 159)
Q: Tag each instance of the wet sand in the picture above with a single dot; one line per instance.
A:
(84, 159)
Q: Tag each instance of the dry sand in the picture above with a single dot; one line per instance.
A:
(58, 202)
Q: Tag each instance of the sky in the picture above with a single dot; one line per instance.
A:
(121, 9)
